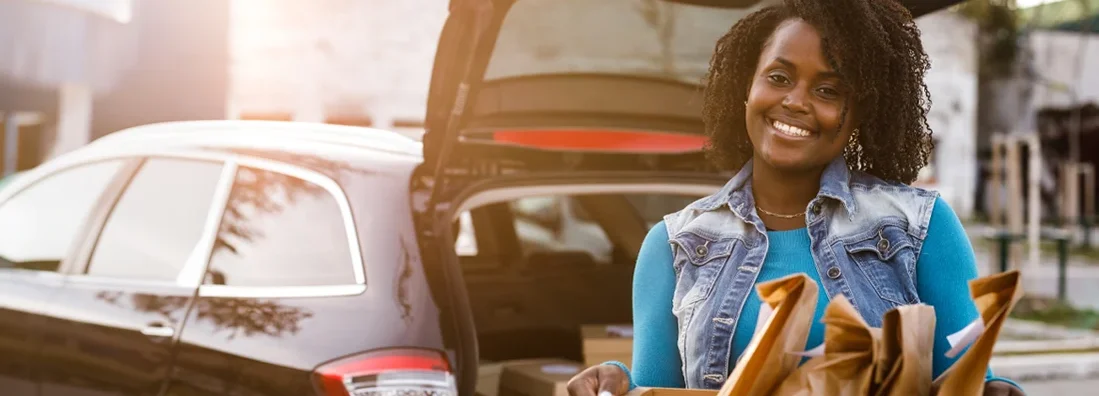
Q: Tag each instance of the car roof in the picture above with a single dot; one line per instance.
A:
(249, 134)
(214, 139)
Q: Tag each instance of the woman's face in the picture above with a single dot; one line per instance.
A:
(796, 101)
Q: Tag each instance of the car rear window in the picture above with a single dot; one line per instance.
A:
(632, 37)
(280, 230)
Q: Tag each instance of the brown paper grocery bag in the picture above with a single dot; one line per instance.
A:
(860, 360)
(767, 360)
(995, 297)
(908, 339)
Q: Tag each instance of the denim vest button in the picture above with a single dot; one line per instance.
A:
(702, 250)
(816, 208)
(834, 272)
(883, 246)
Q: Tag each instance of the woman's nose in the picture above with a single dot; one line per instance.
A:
(795, 101)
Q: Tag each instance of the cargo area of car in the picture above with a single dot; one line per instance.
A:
(546, 265)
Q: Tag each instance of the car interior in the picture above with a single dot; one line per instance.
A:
(540, 267)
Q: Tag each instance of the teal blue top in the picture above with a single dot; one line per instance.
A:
(943, 271)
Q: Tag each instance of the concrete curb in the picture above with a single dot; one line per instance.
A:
(1047, 367)
(1055, 353)
(1038, 330)
(1041, 338)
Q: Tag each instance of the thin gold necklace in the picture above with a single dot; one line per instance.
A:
(793, 216)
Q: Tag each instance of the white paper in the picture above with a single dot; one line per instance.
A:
(560, 369)
(765, 312)
(965, 337)
(620, 331)
(812, 353)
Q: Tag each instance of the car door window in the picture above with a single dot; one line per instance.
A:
(280, 230)
(157, 221)
(39, 224)
(561, 225)
(548, 224)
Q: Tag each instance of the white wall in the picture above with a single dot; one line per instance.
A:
(1059, 58)
(314, 57)
(950, 41)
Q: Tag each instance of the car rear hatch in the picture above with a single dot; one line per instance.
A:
(577, 84)
(563, 86)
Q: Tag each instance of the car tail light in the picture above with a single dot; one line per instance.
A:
(604, 140)
(405, 372)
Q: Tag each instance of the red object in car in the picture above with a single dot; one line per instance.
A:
(604, 140)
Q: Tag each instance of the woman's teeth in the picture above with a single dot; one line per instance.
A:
(790, 129)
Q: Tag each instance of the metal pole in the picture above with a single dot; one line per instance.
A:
(1088, 172)
(1062, 267)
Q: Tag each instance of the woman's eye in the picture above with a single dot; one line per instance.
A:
(778, 79)
(828, 92)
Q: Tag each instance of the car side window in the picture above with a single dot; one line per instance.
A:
(158, 221)
(280, 230)
(39, 224)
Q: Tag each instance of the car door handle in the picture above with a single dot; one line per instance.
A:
(158, 331)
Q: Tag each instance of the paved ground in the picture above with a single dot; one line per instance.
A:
(1062, 388)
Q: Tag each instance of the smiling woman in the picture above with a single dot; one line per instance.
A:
(820, 107)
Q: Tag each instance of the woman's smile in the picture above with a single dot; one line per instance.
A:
(791, 131)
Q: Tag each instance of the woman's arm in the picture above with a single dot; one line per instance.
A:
(946, 266)
(656, 361)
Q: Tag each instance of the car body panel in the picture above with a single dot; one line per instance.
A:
(95, 341)
(25, 297)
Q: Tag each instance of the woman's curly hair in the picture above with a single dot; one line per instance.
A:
(875, 47)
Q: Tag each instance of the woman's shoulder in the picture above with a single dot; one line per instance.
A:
(865, 181)
(943, 217)
(658, 233)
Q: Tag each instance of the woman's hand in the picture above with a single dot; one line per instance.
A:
(992, 388)
(600, 380)
(1000, 388)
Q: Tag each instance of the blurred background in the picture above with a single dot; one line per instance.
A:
(75, 70)
(1014, 84)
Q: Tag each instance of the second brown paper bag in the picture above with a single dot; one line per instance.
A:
(768, 359)
(995, 297)
(860, 360)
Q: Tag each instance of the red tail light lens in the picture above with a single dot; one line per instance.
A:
(604, 140)
(405, 372)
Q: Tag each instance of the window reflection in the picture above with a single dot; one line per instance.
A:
(234, 316)
(280, 230)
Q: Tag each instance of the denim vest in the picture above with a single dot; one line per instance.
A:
(865, 234)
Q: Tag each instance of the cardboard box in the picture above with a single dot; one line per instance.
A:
(547, 377)
(488, 379)
(604, 343)
(671, 392)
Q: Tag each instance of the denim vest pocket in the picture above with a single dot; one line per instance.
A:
(698, 260)
(886, 257)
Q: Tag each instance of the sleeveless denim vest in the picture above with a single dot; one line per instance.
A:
(865, 234)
